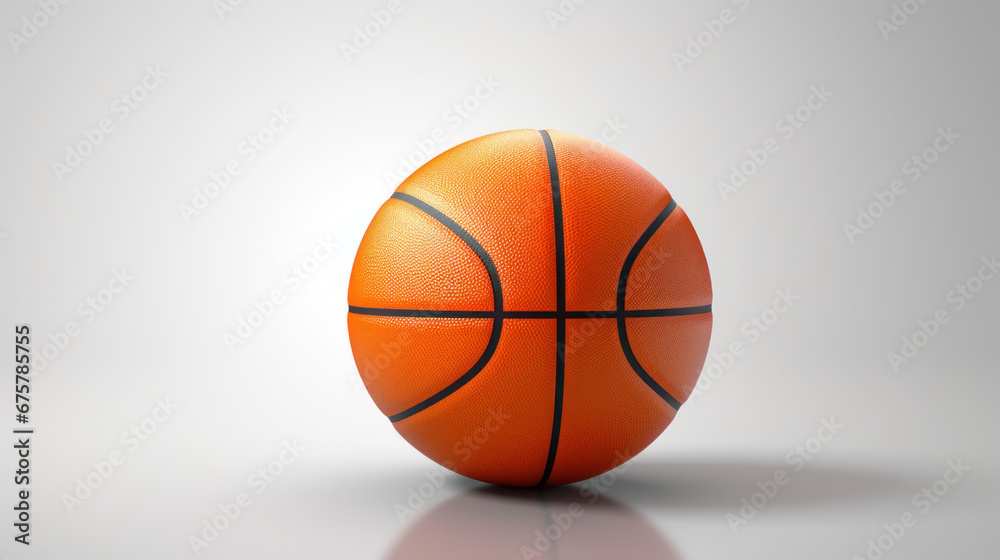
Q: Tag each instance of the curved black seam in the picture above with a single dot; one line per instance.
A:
(560, 249)
(459, 314)
(620, 306)
(497, 313)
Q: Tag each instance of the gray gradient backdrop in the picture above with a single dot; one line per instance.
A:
(218, 76)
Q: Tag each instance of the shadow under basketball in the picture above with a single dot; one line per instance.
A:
(719, 485)
(495, 522)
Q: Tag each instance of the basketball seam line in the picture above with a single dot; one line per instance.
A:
(460, 314)
(560, 254)
(491, 269)
(620, 306)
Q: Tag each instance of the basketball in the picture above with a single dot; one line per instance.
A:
(530, 308)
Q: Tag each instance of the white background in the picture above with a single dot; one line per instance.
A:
(63, 235)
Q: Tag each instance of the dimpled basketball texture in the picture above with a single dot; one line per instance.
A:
(530, 308)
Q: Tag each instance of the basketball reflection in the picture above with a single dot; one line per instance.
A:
(494, 523)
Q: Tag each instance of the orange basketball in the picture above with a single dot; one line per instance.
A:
(530, 308)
